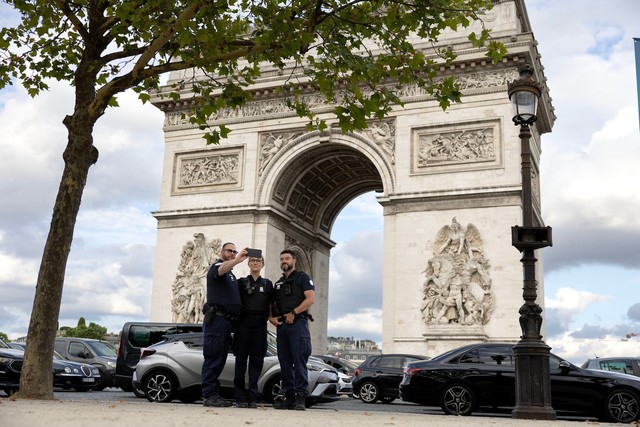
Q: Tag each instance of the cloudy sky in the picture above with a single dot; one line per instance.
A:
(590, 176)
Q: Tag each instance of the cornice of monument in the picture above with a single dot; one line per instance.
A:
(451, 200)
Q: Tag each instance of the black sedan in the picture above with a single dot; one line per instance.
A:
(66, 374)
(483, 375)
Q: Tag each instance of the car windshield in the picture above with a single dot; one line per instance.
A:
(3, 345)
(103, 348)
(57, 356)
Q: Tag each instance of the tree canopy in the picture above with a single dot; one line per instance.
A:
(355, 53)
(94, 330)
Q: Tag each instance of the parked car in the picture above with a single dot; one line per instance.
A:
(378, 377)
(10, 367)
(623, 365)
(468, 378)
(17, 345)
(66, 374)
(171, 369)
(101, 354)
(345, 384)
(346, 370)
(342, 365)
(133, 338)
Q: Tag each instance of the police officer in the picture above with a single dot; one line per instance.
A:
(293, 295)
(250, 337)
(221, 311)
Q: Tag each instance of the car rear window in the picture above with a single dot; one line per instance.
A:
(622, 366)
(145, 335)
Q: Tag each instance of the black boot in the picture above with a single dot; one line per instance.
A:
(287, 403)
(300, 406)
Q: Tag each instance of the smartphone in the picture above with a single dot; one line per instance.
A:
(254, 253)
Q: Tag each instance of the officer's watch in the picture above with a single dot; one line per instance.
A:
(293, 312)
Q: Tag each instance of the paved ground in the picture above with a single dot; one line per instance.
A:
(96, 413)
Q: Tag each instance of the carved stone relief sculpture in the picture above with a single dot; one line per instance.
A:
(457, 285)
(270, 144)
(190, 285)
(278, 106)
(209, 170)
(383, 134)
(456, 147)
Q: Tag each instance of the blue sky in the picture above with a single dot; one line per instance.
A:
(589, 195)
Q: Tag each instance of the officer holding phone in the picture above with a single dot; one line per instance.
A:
(250, 338)
(220, 313)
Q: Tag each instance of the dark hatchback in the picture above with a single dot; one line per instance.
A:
(483, 375)
(378, 377)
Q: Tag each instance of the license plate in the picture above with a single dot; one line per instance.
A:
(88, 380)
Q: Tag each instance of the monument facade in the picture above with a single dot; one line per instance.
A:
(449, 182)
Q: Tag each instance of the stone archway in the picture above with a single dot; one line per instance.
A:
(274, 185)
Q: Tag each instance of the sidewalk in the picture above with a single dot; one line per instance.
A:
(37, 413)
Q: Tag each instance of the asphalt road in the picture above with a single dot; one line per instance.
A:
(345, 403)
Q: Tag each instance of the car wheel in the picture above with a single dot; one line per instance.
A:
(355, 394)
(101, 383)
(369, 392)
(273, 391)
(387, 399)
(622, 406)
(457, 399)
(160, 387)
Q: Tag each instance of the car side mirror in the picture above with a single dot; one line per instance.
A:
(565, 366)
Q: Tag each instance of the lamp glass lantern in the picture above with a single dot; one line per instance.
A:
(524, 94)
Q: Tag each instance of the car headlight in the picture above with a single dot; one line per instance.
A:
(67, 370)
(328, 377)
(111, 364)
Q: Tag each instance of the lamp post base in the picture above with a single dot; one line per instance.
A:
(533, 385)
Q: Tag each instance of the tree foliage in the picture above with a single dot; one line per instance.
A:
(94, 330)
(356, 53)
(4, 337)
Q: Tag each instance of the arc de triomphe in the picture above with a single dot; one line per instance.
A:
(449, 182)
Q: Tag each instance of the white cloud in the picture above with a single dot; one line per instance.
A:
(362, 324)
(577, 351)
(572, 300)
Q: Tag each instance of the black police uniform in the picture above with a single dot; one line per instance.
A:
(223, 297)
(250, 337)
(294, 340)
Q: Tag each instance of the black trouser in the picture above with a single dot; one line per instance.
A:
(294, 349)
(249, 342)
(217, 339)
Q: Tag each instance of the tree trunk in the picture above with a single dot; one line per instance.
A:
(36, 377)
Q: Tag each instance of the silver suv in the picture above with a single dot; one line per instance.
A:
(171, 369)
(624, 365)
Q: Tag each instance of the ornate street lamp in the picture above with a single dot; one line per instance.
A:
(533, 384)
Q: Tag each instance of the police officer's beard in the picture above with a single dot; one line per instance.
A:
(286, 267)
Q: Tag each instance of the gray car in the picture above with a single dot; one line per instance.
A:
(171, 369)
(101, 354)
(623, 365)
